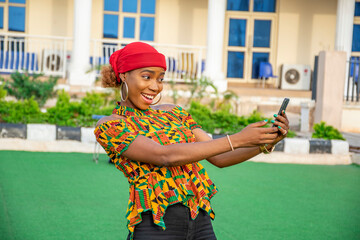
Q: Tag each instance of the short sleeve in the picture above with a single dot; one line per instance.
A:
(186, 117)
(114, 137)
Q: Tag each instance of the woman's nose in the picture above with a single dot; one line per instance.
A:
(154, 86)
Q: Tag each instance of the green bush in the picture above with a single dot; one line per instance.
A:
(291, 134)
(3, 92)
(326, 132)
(24, 86)
(221, 121)
(66, 113)
(25, 111)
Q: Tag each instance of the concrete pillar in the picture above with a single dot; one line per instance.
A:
(344, 29)
(215, 42)
(304, 117)
(330, 87)
(344, 25)
(80, 58)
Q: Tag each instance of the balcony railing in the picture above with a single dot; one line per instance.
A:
(52, 55)
(183, 61)
(352, 91)
(34, 54)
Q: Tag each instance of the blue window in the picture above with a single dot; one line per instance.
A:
(17, 1)
(111, 26)
(235, 64)
(147, 28)
(148, 6)
(129, 6)
(357, 9)
(237, 32)
(129, 27)
(237, 5)
(111, 5)
(1, 17)
(356, 38)
(17, 19)
(257, 58)
(264, 5)
(131, 14)
(262, 32)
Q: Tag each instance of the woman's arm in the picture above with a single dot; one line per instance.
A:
(143, 149)
(241, 154)
(229, 158)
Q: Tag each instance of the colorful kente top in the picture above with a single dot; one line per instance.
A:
(154, 187)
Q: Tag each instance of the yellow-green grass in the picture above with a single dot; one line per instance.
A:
(68, 196)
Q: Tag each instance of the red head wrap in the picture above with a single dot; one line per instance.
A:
(136, 55)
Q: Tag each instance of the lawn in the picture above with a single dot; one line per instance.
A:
(68, 196)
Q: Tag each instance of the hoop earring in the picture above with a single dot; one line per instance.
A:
(157, 100)
(127, 91)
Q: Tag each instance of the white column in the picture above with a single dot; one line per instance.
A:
(344, 25)
(81, 45)
(344, 30)
(215, 42)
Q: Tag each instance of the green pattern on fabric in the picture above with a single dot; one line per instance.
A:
(154, 187)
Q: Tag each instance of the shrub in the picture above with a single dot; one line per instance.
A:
(25, 86)
(66, 113)
(3, 92)
(221, 121)
(326, 132)
(26, 111)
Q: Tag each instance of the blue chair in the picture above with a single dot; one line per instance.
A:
(265, 72)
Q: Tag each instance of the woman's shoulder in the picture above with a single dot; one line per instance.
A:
(165, 107)
(109, 118)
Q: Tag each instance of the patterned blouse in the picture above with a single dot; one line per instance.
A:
(154, 188)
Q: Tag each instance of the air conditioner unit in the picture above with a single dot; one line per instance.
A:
(295, 77)
(53, 61)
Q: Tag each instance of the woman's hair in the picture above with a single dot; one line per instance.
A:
(108, 77)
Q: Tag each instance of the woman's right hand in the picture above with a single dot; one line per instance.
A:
(255, 135)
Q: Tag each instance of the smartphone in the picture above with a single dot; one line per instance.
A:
(283, 106)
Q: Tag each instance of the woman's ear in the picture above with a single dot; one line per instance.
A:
(122, 77)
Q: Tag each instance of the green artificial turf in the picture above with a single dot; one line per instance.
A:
(68, 196)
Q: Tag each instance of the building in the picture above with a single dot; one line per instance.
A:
(223, 39)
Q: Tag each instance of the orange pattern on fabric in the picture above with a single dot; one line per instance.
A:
(154, 188)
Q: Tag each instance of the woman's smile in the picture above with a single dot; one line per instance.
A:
(148, 98)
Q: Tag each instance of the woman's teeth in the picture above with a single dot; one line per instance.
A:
(148, 96)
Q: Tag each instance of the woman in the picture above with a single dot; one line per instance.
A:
(159, 148)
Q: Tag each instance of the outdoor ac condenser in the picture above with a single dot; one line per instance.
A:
(295, 77)
(52, 61)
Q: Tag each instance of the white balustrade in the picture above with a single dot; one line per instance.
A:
(51, 55)
(183, 61)
(35, 54)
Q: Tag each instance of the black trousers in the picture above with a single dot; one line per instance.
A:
(179, 226)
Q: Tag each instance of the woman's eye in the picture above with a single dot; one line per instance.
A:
(146, 77)
(161, 79)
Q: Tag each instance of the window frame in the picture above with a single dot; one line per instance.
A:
(357, 22)
(121, 15)
(6, 6)
(248, 49)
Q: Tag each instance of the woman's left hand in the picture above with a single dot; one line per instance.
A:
(282, 122)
